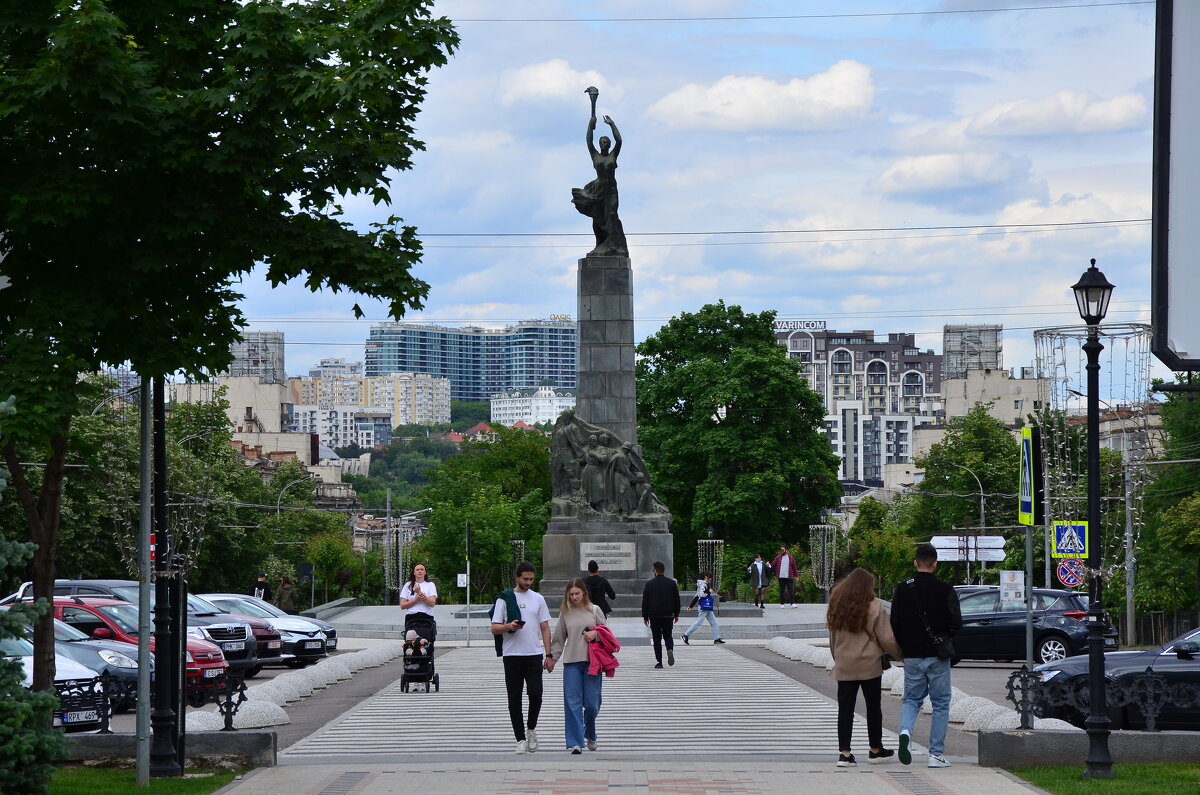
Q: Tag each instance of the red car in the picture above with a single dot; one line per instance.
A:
(100, 617)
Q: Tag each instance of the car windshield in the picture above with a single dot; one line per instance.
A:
(16, 647)
(195, 604)
(1191, 635)
(67, 632)
(242, 606)
(124, 616)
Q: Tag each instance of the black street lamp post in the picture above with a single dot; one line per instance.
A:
(1092, 293)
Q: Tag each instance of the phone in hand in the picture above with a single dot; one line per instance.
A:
(520, 623)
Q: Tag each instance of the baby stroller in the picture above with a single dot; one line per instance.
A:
(419, 674)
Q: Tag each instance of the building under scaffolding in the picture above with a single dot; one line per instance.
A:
(259, 354)
(971, 347)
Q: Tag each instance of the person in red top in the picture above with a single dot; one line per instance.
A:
(786, 570)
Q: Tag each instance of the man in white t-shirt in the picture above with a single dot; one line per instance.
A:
(525, 647)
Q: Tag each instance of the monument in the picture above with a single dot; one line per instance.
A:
(603, 507)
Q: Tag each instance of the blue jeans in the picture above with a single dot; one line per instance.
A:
(712, 620)
(581, 703)
(927, 676)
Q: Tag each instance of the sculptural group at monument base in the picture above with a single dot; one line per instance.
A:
(596, 476)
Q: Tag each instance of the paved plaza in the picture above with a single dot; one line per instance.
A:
(716, 722)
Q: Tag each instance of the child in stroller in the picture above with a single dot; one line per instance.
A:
(419, 673)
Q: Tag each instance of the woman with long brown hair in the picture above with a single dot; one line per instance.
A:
(576, 628)
(859, 635)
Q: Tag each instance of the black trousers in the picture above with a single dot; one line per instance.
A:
(847, 696)
(660, 630)
(787, 591)
(519, 672)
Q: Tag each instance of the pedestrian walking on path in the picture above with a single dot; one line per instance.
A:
(925, 616)
(760, 576)
(660, 609)
(859, 635)
(707, 601)
(418, 597)
(573, 634)
(260, 589)
(521, 627)
(285, 597)
(785, 569)
(598, 588)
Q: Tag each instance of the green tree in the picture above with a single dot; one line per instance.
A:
(31, 746)
(731, 432)
(880, 545)
(331, 554)
(178, 145)
(503, 489)
(466, 414)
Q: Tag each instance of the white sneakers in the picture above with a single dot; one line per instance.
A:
(938, 761)
(532, 739)
(522, 747)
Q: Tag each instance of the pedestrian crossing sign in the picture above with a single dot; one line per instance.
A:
(1070, 540)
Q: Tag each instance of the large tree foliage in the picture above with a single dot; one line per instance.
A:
(880, 545)
(732, 434)
(152, 154)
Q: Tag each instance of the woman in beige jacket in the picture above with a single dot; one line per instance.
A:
(859, 634)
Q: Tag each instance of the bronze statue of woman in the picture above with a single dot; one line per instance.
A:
(598, 198)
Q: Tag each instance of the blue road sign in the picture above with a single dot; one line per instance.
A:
(1070, 540)
(1071, 572)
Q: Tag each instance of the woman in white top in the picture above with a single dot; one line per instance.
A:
(417, 598)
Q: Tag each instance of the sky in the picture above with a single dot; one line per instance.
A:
(893, 165)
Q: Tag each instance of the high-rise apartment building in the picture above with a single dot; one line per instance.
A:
(336, 368)
(409, 398)
(479, 362)
(875, 392)
(259, 354)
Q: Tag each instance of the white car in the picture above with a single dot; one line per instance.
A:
(304, 641)
(79, 687)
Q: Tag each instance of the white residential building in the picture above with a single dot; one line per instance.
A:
(532, 406)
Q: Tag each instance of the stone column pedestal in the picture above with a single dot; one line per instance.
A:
(605, 385)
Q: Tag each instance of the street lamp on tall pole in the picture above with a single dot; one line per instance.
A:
(1092, 293)
(279, 502)
(982, 524)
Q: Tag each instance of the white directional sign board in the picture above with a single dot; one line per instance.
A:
(956, 548)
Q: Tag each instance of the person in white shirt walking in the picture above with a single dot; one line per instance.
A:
(521, 626)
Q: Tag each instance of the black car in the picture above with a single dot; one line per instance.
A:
(995, 630)
(1177, 661)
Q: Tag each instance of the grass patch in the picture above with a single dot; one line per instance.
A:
(113, 781)
(1130, 779)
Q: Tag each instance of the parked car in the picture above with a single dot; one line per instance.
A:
(103, 655)
(995, 630)
(238, 639)
(303, 640)
(80, 695)
(106, 617)
(331, 635)
(1177, 660)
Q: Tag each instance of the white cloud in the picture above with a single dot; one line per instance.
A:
(1068, 111)
(951, 172)
(829, 100)
(553, 79)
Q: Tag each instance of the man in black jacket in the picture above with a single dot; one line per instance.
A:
(598, 588)
(660, 609)
(923, 607)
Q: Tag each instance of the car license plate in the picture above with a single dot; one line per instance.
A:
(1110, 641)
(237, 645)
(312, 644)
(83, 716)
(212, 673)
(274, 644)
(331, 644)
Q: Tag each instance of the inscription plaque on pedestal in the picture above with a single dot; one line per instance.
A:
(610, 556)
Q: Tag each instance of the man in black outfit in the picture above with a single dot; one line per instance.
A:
(660, 609)
(598, 588)
(923, 607)
(260, 589)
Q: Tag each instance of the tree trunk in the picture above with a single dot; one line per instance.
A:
(43, 514)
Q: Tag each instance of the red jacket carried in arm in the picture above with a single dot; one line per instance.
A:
(602, 654)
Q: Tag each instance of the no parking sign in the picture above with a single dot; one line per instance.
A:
(1071, 572)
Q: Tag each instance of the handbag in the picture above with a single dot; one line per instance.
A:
(943, 645)
(885, 659)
